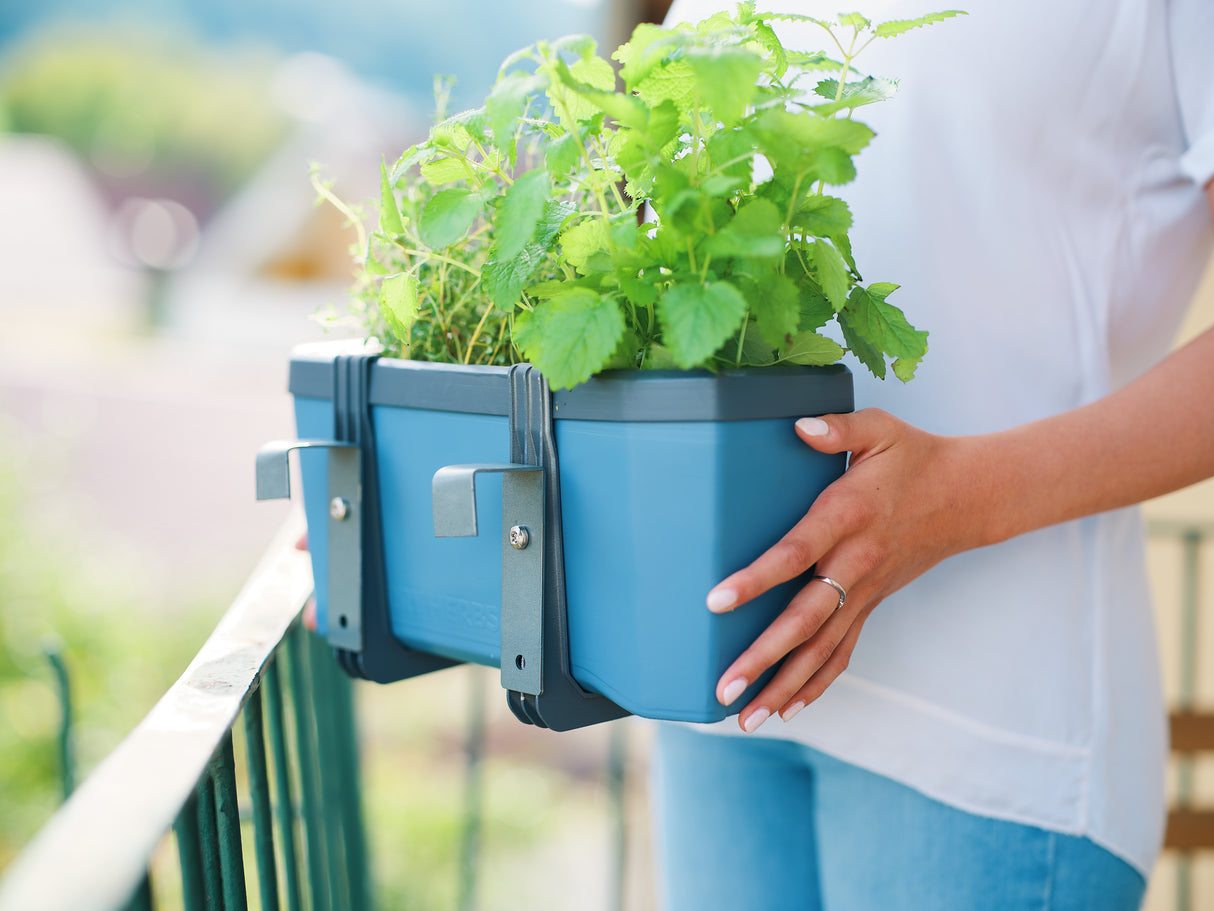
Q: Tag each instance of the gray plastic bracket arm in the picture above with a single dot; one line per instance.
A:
(344, 551)
(454, 491)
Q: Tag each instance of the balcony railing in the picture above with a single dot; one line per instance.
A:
(263, 689)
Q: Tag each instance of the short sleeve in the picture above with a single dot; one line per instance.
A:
(1191, 31)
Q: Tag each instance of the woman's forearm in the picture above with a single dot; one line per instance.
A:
(1151, 437)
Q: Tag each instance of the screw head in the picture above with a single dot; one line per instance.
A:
(339, 509)
(520, 537)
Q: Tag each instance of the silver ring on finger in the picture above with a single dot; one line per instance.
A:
(833, 584)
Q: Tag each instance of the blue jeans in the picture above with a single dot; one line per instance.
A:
(750, 824)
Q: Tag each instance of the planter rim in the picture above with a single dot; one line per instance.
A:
(753, 393)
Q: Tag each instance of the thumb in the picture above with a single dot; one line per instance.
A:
(855, 432)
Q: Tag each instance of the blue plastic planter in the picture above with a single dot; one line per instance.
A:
(669, 481)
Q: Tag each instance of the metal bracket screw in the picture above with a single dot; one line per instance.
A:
(339, 509)
(520, 537)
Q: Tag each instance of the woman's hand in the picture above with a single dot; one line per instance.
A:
(903, 505)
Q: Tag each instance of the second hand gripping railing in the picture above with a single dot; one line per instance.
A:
(177, 771)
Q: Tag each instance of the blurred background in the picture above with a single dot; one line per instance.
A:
(160, 254)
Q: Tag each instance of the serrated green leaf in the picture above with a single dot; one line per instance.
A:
(865, 352)
(831, 273)
(855, 20)
(469, 125)
(732, 153)
(447, 216)
(398, 303)
(504, 281)
(884, 326)
(641, 53)
(822, 216)
(581, 90)
(756, 351)
(697, 319)
(506, 103)
(755, 231)
(548, 229)
(439, 171)
(776, 306)
(843, 244)
(807, 143)
(815, 309)
(881, 290)
(638, 291)
(622, 108)
(832, 166)
(869, 90)
(560, 156)
(722, 185)
(389, 214)
(797, 17)
(625, 232)
(904, 368)
(725, 79)
(899, 26)
(626, 354)
(874, 329)
(766, 36)
(570, 337)
(582, 242)
(658, 357)
(582, 45)
(811, 349)
(518, 213)
(675, 82)
(814, 62)
(594, 71)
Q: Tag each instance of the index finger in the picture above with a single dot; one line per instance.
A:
(802, 547)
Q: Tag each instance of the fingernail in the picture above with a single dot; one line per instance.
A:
(721, 599)
(733, 690)
(757, 717)
(788, 713)
(813, 427)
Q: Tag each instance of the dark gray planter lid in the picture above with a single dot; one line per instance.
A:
(618, 395)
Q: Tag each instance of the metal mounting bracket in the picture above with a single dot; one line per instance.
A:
(523, 547)
(344, 556)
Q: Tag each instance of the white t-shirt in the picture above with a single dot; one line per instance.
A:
(1035, 187)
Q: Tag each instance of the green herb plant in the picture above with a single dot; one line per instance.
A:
(685, 221)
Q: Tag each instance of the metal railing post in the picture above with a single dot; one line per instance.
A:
(285, 804)
(259, 792)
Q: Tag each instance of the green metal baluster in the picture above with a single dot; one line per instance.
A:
(208, 840)
(617, 793)
(285, 807)
(474, 787)
(227, 814)
(331, 786)
(1191, 543)
(305, 732)
(351, 799)
(189, 853)
(141, 900)
(259, 791)
(63, 688)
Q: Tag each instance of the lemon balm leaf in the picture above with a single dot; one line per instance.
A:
(571, 336)
(698, 319)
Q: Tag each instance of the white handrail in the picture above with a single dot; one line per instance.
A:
(93, 853)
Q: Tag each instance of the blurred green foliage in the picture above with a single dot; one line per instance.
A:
(122, 655)
(145, 106)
